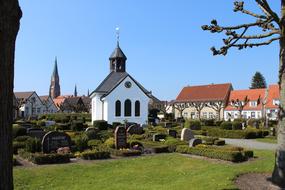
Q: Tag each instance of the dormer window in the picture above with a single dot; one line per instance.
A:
(253, 103)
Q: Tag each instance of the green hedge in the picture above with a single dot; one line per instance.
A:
(40, 158)
(236, 134)
(94, 155)
(217, 153)
(100, 124)
(127, 152)
(219, 142)
(19, 131)
(227, 125)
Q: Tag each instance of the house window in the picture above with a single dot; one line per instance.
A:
(128, 108)
(211, 115)
(244, 114)
(253, 103)
(185, 114)
(118, 108)
(192, 115)
(252, 114)
(137, 108)
(204, 115)
(39, 110)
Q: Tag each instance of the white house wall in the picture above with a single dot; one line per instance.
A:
(122, 93)
(97, 112)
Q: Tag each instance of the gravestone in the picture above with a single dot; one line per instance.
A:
(54, 140)
(120, 137)
(186, 134)
(90, 129)
(194, 142)
(127, 125)
(135, 129)
(36, 133)
(167, 125)
(172, 133)
(158, 137)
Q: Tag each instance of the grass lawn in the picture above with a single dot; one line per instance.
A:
(162, 171)
(268, 140)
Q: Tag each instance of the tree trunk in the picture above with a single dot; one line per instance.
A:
(278, 175)
(218, 114)
(10, 14)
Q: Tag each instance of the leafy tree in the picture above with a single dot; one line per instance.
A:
(272, 29)
(10, 15)
(258, 81)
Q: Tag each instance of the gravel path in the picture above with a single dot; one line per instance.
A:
(253, 144)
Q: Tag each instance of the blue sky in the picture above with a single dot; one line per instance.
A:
(162, 39)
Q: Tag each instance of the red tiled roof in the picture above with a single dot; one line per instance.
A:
(273, 94)
(212, 92)
(252, 95)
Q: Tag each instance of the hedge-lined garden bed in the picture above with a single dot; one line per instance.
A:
(233, 155)
(40, 158)
(237, 134)
(94, 155)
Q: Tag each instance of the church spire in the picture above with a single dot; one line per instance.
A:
(55, 70)
(75, 91)
(54, 90)
(118, 58)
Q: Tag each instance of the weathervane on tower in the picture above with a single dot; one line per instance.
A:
(118, 34)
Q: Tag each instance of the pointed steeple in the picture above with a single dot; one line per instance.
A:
(88, 94)
(118, 58)
(75, 91)
(54, 90)
(55, 70)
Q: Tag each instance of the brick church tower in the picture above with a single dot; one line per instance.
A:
(54, 90)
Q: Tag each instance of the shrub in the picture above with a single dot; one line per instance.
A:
(208, 122)
(254, 122)
(236, 134)
(100, 124)
(110, 142)
(237, 125)
(265, 133)
(41, 123)
(18, 145)
(63, 126)
(33, 145)
(127, 152)
(94, 155)
(40, 158)
(200, 132)
(115, 124)
(218, 123)
(195, 125)
(81, 142)
(209, 140)
(19, 131)
(160, 149)
(92, 134)
(227, 125)
(217, 153)
(22, 138)
(94, 143)
(77, 126)
(248, 154)
(219, 142)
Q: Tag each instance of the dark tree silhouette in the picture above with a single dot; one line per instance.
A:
(10, 15)
(258, 81)
(272, 29)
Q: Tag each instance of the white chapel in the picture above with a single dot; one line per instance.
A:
(119, 97)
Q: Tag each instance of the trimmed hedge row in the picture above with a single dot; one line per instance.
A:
(217, 153)
(127, 152)
(94, 155)
(237, 134)
(40, 158)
